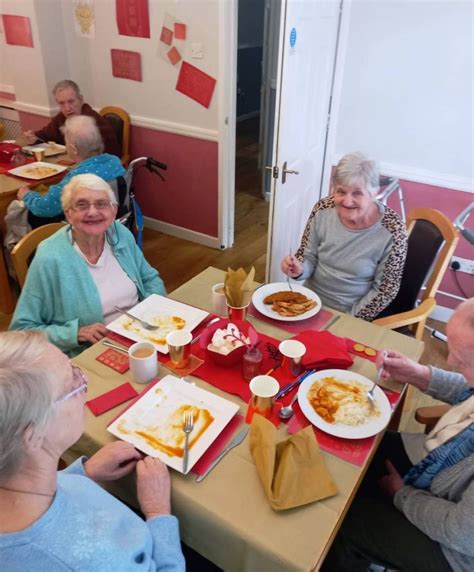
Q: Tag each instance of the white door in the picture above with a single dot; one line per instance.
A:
(308, 43)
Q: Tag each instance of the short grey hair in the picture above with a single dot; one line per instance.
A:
(356, 169)
(87, 181)
(82, 131)
(67, 84)
(26, 394)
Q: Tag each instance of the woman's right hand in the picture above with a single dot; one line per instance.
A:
(153, 487)
(92, 333)
(291, 266)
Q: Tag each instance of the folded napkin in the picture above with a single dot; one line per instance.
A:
(324, 350)
(111, 399)
(293, 472)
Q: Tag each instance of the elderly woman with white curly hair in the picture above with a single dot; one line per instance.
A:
(63, 520)
(353, 249)
(84, 271)
(85, 146)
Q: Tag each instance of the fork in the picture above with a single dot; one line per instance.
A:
(188, 425)
(146, 325)
(370, 393)
(288, 278)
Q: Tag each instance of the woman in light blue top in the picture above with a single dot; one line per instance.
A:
(85, 146)
(65, 521)
(81, 273)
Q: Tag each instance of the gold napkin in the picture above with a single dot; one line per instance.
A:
(293, 472)
(238, 287)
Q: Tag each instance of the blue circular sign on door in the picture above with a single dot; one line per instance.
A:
(293, 37)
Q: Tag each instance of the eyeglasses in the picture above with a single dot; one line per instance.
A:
(99, 205)
(78, 378)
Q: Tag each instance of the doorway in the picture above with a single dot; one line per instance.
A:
(257, 55)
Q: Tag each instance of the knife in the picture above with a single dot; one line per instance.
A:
(235, 441)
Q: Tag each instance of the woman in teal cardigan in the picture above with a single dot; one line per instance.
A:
(84, 270)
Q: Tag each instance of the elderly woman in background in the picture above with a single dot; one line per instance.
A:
(65, 521)
(353, 248)
(85, 146)
(81, 273)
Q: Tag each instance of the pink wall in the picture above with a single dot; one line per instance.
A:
(451, 203)
(189, 197)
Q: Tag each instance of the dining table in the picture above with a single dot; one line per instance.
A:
(227, 517)
(9, 186)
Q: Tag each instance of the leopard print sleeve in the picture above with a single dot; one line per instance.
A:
(391, 274)
(326, 203)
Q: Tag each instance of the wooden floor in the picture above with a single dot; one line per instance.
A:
(179, 260)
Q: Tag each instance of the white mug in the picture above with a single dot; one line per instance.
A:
(143, 362)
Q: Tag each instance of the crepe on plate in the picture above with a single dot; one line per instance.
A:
(40, 171)
(338, 401)
(287, 303)
(168, 437)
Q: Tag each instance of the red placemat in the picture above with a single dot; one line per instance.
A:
(353, 451)
(351, 349)
(217, 446)
(315, 323)
(230, 379)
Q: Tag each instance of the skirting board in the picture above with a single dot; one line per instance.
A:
(184, 233)
(441, 313)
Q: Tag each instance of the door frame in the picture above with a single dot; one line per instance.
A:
(227, 115)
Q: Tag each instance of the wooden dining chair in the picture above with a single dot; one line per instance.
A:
(432, 240)
(120, 119)
(429, 415)
(25, 248)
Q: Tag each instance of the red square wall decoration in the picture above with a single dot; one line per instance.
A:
(196, 84)
(17, 30)
(179, 31)
(166, 35)
(133, 18)
(127, 65)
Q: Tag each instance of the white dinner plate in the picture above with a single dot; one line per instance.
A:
(150, 413)
(32, 170)
(154, 308)
(50, 149)
(371, 427)
(266, 309)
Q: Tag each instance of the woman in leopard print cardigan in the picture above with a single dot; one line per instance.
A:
(353, 249)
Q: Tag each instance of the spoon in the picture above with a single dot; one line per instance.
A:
(206, 325)
(287, 412)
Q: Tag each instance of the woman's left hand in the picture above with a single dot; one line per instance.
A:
(113, 461)
(392, 482)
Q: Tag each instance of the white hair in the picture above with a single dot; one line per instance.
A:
(26, 394)
(82, 131)
(87, 181)
(356, 169)
(67, 84)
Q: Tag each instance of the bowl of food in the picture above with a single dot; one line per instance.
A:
(225, 342)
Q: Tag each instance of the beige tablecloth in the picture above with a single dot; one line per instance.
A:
(227, 518)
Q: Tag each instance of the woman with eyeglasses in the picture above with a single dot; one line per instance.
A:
(63, 520)
(81, 273)
(85, 146)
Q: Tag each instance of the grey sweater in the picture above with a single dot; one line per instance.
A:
(445, 513)
(354, 271)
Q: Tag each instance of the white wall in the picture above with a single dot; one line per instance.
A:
(407, 93)
(155, 97)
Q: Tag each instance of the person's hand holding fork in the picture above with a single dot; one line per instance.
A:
(291, 266)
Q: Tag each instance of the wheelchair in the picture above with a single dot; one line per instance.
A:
(129, 212)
